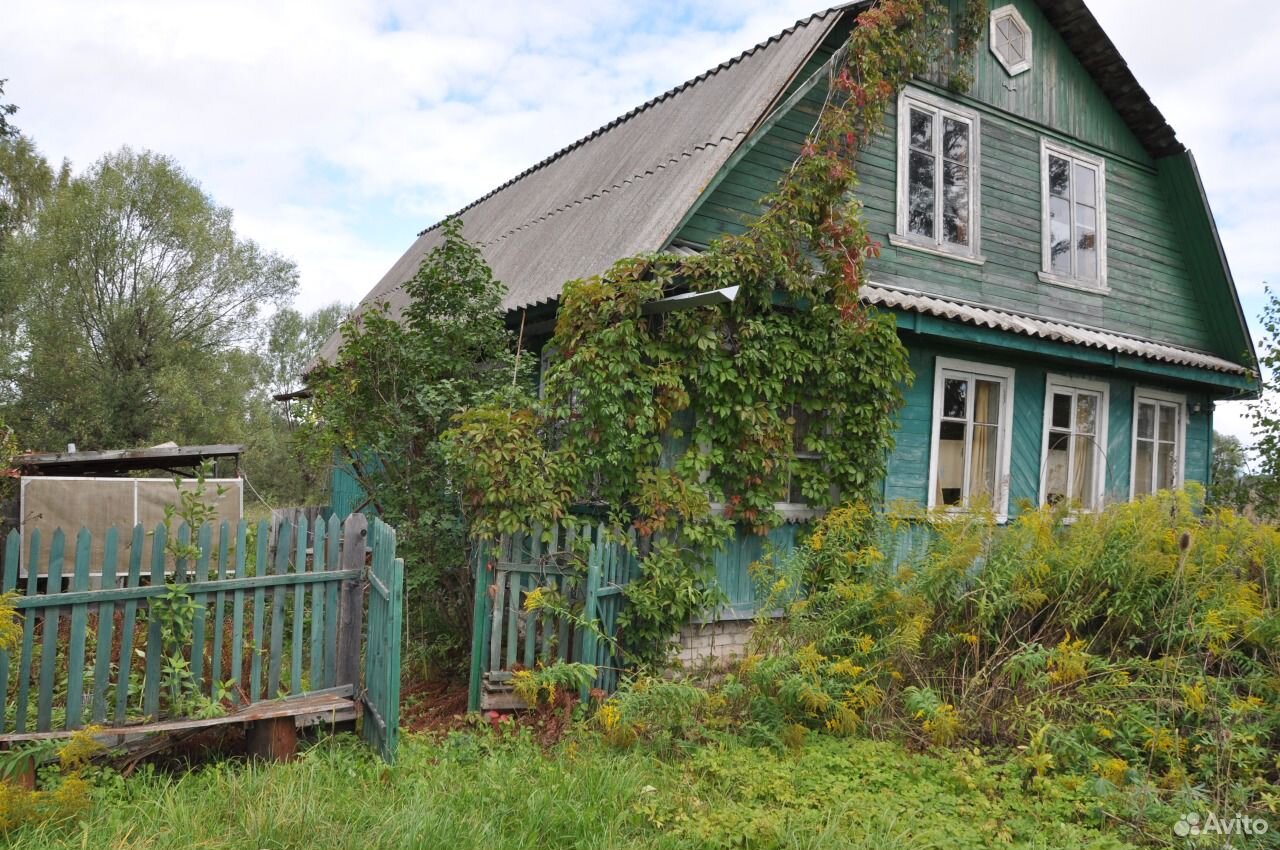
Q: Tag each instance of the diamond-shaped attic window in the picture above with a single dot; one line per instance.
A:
(1011, 40)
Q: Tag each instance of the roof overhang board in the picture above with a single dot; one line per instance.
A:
(1206, 259)
(1220, 384)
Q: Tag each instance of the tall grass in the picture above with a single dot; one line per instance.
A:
(494, 791)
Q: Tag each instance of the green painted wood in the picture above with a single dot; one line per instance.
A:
(106, 629)
(264, 583)
(316, 669)
(334, 562)
(155, 635)
(299, 592)
(199, 576)
(49, 637)
(219, 607)
(8, 581)
(237, 612)
(280, 566)
(262, 566)
(589, 614)
(79, 625)
(28, 637)
(127, 625)
(481, 615)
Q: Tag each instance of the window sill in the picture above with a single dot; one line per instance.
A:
(910, 244)
(1096, 289)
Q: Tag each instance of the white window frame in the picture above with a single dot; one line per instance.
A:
(940, 108)
(945, 367)
(1158, 397)
(1066, 383)
(1047, 275)
(998, 15)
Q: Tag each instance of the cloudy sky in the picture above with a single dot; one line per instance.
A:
(336, 129)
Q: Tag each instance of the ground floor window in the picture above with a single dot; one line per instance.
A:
(972, 415)
(1159, 440)
(1073, 462)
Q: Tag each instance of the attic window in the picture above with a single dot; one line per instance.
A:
(1011, 40)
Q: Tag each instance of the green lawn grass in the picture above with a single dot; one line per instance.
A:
(478, 790)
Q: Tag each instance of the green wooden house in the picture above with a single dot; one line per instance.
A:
(1048, 252)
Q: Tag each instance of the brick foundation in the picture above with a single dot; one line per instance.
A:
(707, 644)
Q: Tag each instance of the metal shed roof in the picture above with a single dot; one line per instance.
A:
(1027, 325)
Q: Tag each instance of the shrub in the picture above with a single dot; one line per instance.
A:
(1137, 646)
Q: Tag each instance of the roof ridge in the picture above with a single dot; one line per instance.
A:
(649, 104)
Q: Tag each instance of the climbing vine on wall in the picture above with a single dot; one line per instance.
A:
(682, 424)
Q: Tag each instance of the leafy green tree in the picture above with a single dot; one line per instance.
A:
(1229, 485)
(291, 339)
(140, 308)
(383, 406)
(6, 109)
(1265, 414)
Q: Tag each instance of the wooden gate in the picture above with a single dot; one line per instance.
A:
(248, 615)
(382, 650)
(584, 571)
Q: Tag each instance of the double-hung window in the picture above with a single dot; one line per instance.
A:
(1159, 429)
(1074, 218)
(1073, 465)
(802, 456)
(972, 418)
(937, 176)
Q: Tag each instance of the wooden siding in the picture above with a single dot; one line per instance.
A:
(908, 475)
(1153, 293)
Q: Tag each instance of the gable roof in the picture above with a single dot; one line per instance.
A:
(623, 189)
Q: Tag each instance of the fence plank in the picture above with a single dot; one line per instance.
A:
(236, 649)
(12, 550)
(49, 642)
(316, 671)
(125, 665)
(106, 629)
(299, 566)
(351, 604)
(280, 566)
(331, 612)
(261, 567)
(219, 602)
(28, 636)
(204, 543)
(79, 622)
(155, 634)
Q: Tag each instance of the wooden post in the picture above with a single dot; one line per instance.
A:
(479, 622)
(275, 739)
(351, 601)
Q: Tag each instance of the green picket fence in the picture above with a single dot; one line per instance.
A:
(587, 569)
(270, 612)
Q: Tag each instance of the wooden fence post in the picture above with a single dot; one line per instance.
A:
(355, 532)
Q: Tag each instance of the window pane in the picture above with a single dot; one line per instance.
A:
(1146, 421)
(1061, 411)
(955, 203)
(1086, 243)
(801, 429)
(955, 391)
(1145, 457)
(955, 140)
(1083, 471)
(1059, 177)
(1165, 463)
(982, 463)
(920, 199)
(922, 131)
(1086, 414)
(950, 490)
(986, 402)
(1016, 50)
(1168, 422)
(1086, 185)
(1060, 235)
(1055, 482)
